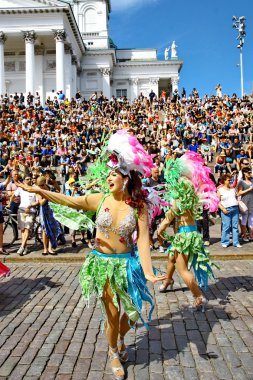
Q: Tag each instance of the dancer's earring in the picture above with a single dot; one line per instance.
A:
(124, 186)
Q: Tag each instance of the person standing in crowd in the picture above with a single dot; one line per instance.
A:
(2, 197)
(229, 212)
(14, 201)
(152, 96)
(51, 228)
(26, 213)
(119, 214)
(245, 191)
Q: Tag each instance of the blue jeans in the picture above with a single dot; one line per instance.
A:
(231, 219)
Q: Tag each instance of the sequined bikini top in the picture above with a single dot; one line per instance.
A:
(125, 228)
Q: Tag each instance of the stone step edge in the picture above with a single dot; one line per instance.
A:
(62, 259)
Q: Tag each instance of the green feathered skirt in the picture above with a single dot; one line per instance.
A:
(189, 242)
(125, 277)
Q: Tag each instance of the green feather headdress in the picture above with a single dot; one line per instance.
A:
(179, 190)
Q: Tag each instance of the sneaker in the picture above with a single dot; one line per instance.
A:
(25, 251)
(245, 239)
(238, 246)
(224, 245)
(207, 243)
(20, 251)
(161, 249)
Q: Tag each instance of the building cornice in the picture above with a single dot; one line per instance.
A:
(60, 9)
(141, 63)
(95, 52)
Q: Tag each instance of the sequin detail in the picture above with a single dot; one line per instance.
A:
(124, 230)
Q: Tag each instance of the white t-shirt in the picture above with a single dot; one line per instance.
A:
(26, 199)
(228, 197)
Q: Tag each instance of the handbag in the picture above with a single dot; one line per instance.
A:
(242, 207)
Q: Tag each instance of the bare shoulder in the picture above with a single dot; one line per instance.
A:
(94, 199)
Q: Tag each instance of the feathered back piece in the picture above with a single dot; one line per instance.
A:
(188, 183)
(128, 154)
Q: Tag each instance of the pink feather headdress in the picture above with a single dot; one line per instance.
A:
(126, 154)
(192, 167)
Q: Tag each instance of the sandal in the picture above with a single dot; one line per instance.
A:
(199, 303)
(118, 372)
(123, 354)
(165, 285)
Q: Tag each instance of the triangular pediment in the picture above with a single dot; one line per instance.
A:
(12, 4)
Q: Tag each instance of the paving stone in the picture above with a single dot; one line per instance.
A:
(239, 374)
(155, 347)
(141, 371)
(246, 359)
(186, 359)
(231, 357)
(155, 364)
(37, 366)
(190, 373)
(18, 372)
(174, 373)
(98, 361)
(156, 376)
(9, 365)
(221, 369)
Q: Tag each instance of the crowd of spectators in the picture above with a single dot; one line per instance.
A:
(61, 138)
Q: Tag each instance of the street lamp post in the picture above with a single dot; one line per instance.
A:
(239, 24)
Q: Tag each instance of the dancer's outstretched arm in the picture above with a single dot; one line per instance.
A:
(86, 202)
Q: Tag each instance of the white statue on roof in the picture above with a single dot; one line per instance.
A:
(166, 54)
(173, 50)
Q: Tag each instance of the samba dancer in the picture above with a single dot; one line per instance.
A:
(113, 270)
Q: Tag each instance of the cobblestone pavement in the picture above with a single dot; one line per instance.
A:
(46, 332)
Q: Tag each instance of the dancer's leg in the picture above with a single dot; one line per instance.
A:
(112, 327)
(170, 267)
(113, 314)
(124, 325)
(182, 261)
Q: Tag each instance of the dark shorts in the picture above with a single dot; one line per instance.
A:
(1, 217)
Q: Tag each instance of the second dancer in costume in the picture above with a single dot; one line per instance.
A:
(189, 188)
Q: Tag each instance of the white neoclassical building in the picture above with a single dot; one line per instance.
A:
(58, 45)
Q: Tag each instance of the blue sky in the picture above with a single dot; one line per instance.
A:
(203, 33)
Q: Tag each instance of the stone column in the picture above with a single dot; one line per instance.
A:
(106, 72)
(60, 37)
(174, 83)
(30, 37)
(74, 74)
(2, 73)
(153, 83)
(68, 71)
(133, 88)
(39, 79)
